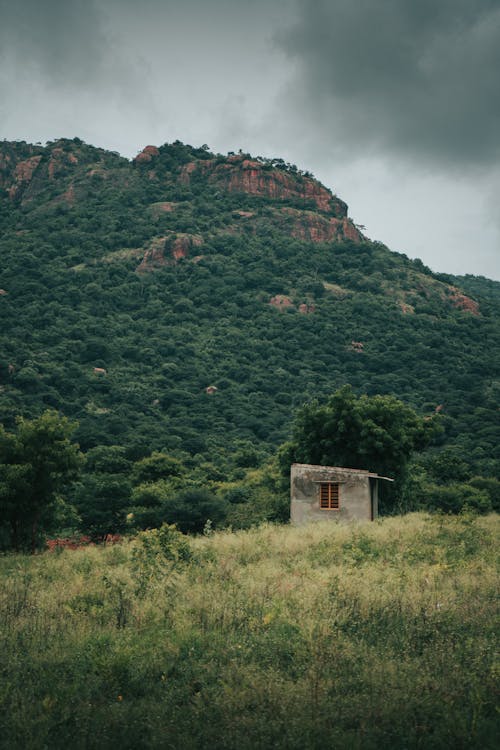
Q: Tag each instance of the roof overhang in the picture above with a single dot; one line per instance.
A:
(344, 470)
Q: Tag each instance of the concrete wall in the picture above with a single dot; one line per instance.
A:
(355, 491)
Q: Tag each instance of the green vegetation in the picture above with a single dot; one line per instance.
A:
(357, 636)
(37, 463)
(378, 432)
(129, 354)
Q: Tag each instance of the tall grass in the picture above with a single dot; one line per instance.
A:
(359, 636)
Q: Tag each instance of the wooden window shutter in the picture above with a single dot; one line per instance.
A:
(329, 496)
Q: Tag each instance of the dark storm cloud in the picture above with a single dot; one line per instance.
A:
(61, 41)
(415, 77)
(85, 42)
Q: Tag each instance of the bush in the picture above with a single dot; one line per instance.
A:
(192, 508)
(455, 498)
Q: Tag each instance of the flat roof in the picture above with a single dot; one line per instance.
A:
(365, 472)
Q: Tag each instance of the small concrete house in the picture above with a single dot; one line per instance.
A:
(319, 493)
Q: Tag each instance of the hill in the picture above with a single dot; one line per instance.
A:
(189, 302)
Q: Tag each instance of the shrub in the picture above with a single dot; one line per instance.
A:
(454, 498)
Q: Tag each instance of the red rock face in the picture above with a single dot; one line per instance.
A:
(306, 309)
(187, 170)
(240, 175)
(350, 232)
(165, 207)
(24, 178)
(169, 249)
(281, 301)
(182, 245)
(357, 346)
(55, 163)
(147, 154)
(406, 309)
(59, 160)
(313, 227)
(462, 302)
(24, 169)
(23, 174)
(154, 257)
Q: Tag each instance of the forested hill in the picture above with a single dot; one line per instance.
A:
(189, 302)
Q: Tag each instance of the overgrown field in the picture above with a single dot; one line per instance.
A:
(361, 636)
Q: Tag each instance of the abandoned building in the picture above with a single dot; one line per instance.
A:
(318, 493)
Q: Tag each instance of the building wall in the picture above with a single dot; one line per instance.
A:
(355, 500)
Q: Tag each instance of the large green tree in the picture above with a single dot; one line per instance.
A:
(37, 463)
(378, 433)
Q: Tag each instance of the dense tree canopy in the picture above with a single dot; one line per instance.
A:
(261, 310)
(377, 433)
(37, 463)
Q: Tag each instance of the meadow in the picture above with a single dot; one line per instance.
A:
(369, 636)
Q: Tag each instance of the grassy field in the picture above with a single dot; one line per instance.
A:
(372, 636)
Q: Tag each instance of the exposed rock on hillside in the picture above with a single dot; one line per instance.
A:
(163, 207)
(357, 346)
(16, 176)
(281, 301)
(168, 249)
(131, 290)
(306, 309)
(237, 174)
(406, 309)
(59, 159)
(146, 155)
(314, 227)
(27, 170)
(462, 302)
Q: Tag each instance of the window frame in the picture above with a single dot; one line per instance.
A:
(329, 496)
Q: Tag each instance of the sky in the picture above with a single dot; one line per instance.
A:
(392, 104)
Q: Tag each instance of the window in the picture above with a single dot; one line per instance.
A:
(329, 496)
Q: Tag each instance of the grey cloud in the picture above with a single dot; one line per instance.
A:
(419, 79)
(60, 40)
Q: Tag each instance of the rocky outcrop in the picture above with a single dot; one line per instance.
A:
(25, 170)
(406, 309)
(59, 160)
(357, 346)
(162, 251)
(182, 245)
(313, 227)
(18, 163)
(239, 174)
(281, 301)
(461, 302)
(163, 207)
(146, 155)
(22, 175)
(306, 309)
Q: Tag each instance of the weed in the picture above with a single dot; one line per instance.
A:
(356, 636)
